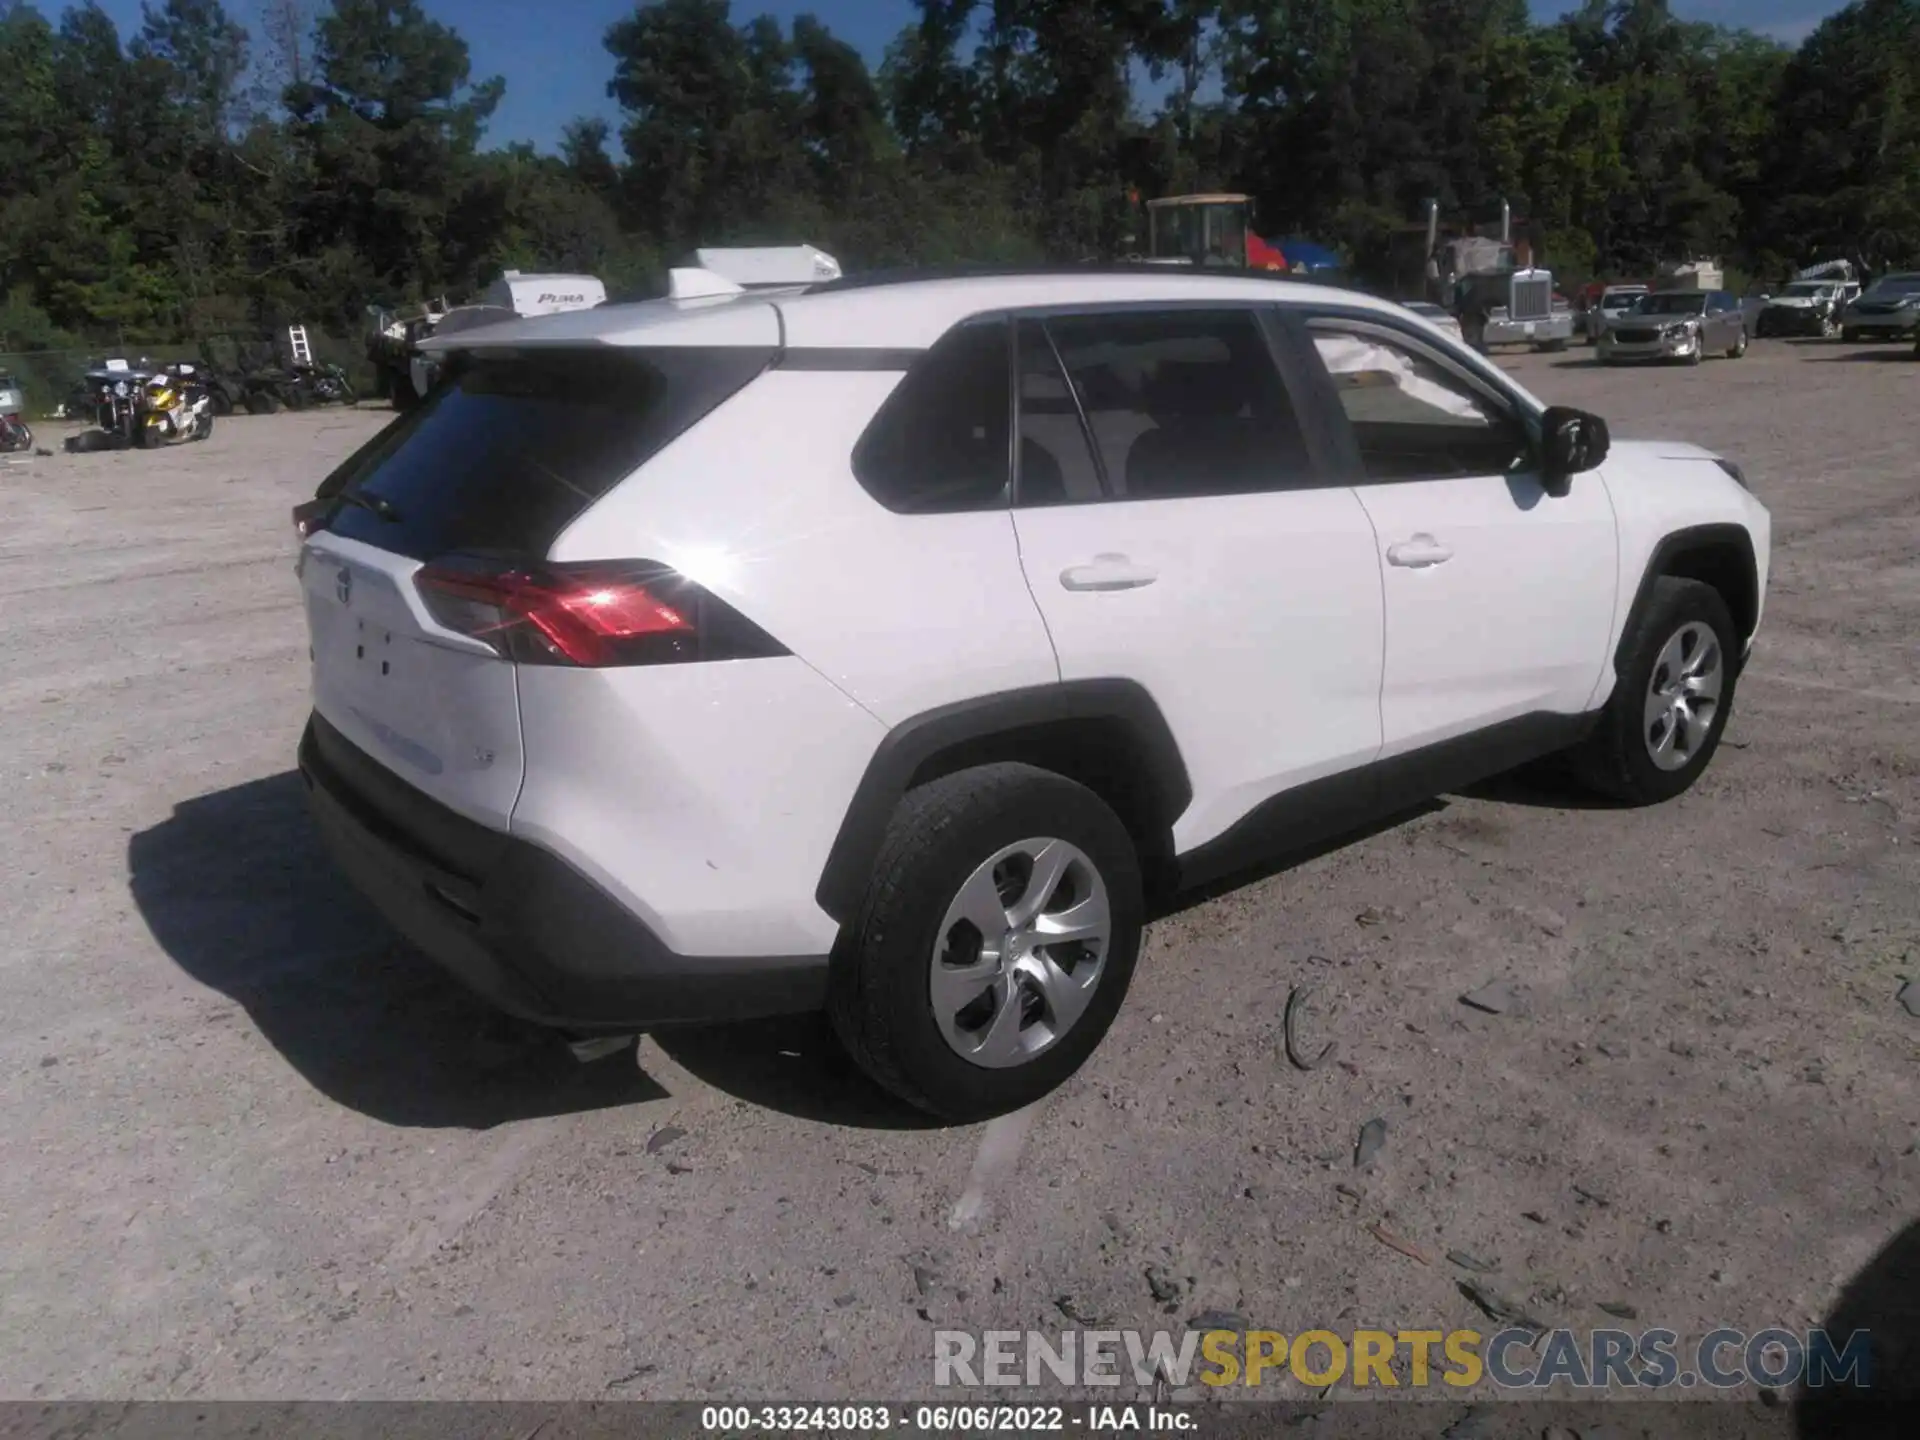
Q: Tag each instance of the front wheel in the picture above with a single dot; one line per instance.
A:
(995, 943)
(1671, 700)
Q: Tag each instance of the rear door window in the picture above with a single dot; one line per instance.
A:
(1182, 403)
(940, 442)
(508, 450)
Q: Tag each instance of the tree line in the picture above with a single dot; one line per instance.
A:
(205, 175)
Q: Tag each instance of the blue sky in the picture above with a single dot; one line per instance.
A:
(555, 67)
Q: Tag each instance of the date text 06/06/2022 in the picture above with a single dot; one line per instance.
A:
(945, 1419)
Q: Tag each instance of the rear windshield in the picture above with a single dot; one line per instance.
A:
(508, 450)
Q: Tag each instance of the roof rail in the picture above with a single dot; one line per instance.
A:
(907, 276)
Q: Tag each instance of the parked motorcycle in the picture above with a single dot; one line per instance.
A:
(113, 391)
(173, 407)
(14, 432)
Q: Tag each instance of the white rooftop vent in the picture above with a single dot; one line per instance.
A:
(758, 266)
(697, 283)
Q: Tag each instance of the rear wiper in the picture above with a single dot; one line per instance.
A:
(353, 495)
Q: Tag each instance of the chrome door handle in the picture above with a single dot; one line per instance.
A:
(1108, 572)
(1418, 553)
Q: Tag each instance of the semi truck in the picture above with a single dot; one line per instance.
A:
(1491, 285)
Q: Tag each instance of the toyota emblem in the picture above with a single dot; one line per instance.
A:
(343, 586)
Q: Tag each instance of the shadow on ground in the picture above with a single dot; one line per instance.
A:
(238, 890)
(1900, 354)
(1883, 1300)
(795, 1066)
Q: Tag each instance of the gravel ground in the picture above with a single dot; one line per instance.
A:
(255, 1148)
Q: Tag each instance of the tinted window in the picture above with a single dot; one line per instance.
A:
(1182, 402)
(1674, 302)
(507, 451)
(939, 443)
(1056, 459)
(1413, 418)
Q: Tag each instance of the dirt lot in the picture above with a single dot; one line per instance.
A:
(255, 1148)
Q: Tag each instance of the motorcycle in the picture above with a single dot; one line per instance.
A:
(14, 433)
(172, 408)
(113, 391)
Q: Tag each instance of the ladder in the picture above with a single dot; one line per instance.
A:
(299, 348)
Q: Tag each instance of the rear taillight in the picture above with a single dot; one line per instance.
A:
(595, 614)
(310, 517)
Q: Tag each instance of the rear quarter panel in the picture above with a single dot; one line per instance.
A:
(758, 503)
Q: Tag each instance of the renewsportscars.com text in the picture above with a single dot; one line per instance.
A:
(1516, 1359)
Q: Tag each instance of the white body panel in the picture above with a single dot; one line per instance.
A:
(1258, 636)
(703, 797)
(438, 708)
(1513, 620)
(1660, 487)
(758, 504)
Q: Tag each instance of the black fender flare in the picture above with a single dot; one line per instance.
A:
(1678, 544)
(969, 726)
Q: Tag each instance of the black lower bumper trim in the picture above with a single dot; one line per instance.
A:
(523, 928)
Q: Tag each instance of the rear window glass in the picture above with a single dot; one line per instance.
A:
(508, 450)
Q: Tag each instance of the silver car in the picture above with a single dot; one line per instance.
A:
(1615, 304)
(1889, 309)
(1684, 325)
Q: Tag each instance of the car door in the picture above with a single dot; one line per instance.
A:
(1176, 531)
(1724, 318)
(1499, 596)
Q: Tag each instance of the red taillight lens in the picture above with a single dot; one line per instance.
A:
(599, 614)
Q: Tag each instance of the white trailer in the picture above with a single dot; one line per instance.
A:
(530, 295)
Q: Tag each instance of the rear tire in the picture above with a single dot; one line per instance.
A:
(203, 428)
(1672, 698)
(903, 962)
(1739, 347)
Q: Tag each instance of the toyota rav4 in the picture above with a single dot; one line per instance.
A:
(892, 646)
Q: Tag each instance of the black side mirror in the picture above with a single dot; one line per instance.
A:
(1572, 442)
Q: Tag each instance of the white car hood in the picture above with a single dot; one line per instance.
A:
(1793, 302)
(1660, 450)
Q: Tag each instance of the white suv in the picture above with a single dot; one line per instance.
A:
(890, 646)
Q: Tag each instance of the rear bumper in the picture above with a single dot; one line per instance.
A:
(517, 924)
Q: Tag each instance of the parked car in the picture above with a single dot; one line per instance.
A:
(1436, 315)
(1684, 325)
(1805, 307)
(1070, 592)
(1613, 302)
(15, 433)
(1889, 309)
